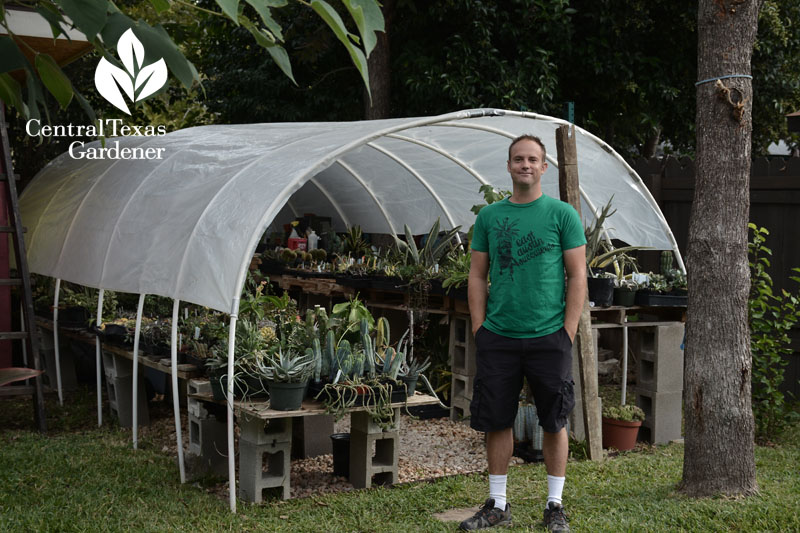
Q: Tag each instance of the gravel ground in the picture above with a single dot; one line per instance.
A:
(428, 449)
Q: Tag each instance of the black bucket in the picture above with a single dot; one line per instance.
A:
(341, 454)
(601, 291)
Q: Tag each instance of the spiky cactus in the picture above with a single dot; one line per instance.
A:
(329, 355)
(316, 353)
(369, 348)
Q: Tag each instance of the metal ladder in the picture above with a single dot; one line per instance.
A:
(28, 334)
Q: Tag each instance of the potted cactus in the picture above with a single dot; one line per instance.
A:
(287, 375)
(621, 425)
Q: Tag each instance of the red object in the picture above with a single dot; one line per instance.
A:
(297, 244)
(620, 434)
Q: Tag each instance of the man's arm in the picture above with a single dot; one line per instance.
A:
(478, 288)
(575, 265)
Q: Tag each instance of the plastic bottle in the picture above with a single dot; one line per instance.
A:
(313, 240)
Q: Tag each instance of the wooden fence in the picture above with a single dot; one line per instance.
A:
(774, 204)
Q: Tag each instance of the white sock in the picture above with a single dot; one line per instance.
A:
(555, 486)
(497, 490)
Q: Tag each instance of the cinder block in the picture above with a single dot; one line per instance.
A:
(198, 386)
(208, 446)
(120, 400)
(459, 409)
(69, 378)
(361, 421)
(116, 366)
(462, 386)
(267, 432)
(663, 412)
(373, 455)
(462, 345)
(660, 367)
(263, 466)
(311, 436)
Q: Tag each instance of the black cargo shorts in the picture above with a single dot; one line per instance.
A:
(503, 362)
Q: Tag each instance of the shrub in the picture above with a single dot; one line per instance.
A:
(771, 318)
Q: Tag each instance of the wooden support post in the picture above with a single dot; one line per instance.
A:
(570, 193)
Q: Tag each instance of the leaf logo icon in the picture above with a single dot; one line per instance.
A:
(136, 81)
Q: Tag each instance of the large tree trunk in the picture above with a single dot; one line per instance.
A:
(380, 71)
(719, 451)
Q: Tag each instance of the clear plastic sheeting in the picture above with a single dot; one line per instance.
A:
(187, 225)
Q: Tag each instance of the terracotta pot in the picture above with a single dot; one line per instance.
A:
(620, 434)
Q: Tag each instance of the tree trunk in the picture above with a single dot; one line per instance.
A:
(380, 71)
(719, 451)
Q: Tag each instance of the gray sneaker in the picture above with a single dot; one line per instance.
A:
(554, 517)
(488, 516)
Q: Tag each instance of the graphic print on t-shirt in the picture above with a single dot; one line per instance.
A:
(505, 232)
(527, 247)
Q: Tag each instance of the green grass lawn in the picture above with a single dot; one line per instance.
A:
(84, 478)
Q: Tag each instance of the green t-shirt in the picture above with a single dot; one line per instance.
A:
(526, 243)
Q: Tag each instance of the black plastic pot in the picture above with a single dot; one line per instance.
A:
(601, 291)
(340, 443)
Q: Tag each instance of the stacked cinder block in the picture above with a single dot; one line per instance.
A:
(207, 433)
(69, 380)
(367, 465)
(264, 456)
(659, 381)
(462, 365)
(119, 385)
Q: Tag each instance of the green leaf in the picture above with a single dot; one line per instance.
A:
(160, 5)
(281, 58)
(89, 16)
(369, 20)
(10, 56)
(334, 21)
(54, 79)
(52, 15)
(11, 93)
(262, 8)
(230, 8)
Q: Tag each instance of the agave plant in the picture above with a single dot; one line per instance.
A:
(432, 252)
(600, 253)
(286, 367)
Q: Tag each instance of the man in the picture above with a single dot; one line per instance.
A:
(526, 325)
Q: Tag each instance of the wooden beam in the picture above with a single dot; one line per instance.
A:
(587, 359)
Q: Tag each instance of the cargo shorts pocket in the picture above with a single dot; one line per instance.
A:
(567, 399)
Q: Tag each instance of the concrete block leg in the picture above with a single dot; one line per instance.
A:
(120, 400)
(264, 456)
(374, 452)
(373, 455)
(263, 466)
(663, 411)
(459, 409)
(208, 439)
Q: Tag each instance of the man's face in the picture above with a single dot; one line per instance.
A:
(526, 165)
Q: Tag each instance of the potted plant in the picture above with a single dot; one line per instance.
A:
(599, 255)
(621, 425)
(287, 374)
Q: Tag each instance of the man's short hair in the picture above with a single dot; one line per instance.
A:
(528, 137)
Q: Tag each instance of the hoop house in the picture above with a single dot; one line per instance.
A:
(186, 226)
